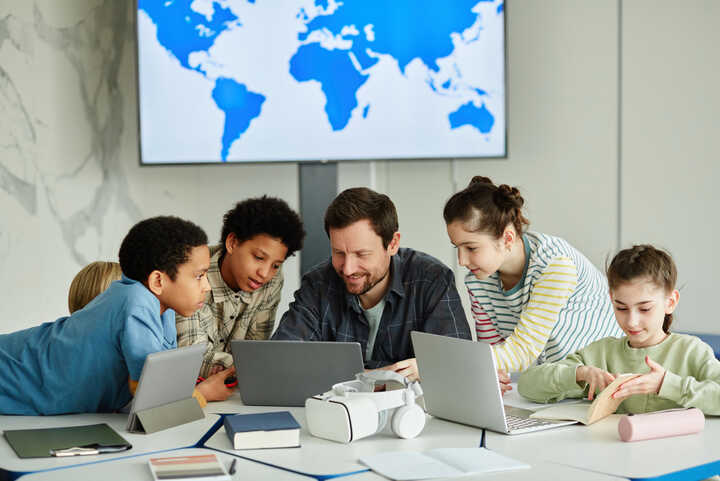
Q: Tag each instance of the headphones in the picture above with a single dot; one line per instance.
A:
(353, 410)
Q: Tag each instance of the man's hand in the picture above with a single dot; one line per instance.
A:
(649, 383)
(214, 388)
(504, 379)
(407, 368)
(595, 377)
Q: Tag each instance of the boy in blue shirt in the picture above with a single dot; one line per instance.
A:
(91, 361)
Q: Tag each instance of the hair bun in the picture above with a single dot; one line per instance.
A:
(479, 179)
(509, 196)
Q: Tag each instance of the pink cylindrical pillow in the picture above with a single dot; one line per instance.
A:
(660, 424)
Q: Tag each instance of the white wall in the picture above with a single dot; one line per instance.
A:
(70, 184)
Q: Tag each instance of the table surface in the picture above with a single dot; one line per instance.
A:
(570, 452)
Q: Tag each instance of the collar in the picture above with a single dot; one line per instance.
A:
(395, 286)
(221, 292)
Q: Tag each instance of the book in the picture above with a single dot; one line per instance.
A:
(264, 430)
(40, 443)
(204, 467)
(588, 413)
(439, 463)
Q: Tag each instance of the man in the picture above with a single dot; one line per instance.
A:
(371, 291)
(245, 279)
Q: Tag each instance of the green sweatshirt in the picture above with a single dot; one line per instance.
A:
(692, 374)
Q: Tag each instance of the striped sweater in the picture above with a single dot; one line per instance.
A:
(560, 305)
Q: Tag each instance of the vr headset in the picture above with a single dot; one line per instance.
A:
(353, 410)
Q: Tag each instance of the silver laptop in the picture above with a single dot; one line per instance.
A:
(286, 373)
(460, 383)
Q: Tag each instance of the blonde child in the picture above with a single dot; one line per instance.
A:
(92, 279)
(679, 370)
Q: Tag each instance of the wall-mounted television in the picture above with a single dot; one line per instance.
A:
(316, 80)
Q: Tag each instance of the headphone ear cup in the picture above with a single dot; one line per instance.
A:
(382, 420)
(408, 421)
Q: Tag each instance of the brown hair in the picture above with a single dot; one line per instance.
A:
(92, 279)
(486, 207)
(644, 261)
(361, 203)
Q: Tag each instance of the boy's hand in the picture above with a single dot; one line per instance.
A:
(216, 368)
(406, 367)
(595, 377)
(214, 388)
(504, 379)
(649, 383)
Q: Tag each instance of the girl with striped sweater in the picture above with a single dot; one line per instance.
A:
(533, 296)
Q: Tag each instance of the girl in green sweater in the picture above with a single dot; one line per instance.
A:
(679, 370)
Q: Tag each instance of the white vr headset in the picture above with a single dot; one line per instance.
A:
(352, 410)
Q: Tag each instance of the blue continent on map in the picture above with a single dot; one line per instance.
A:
(468, 114)
(404, 29)
(338, 78)
(240, 107)
(183, 31)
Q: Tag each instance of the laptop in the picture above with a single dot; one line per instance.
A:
(460, 383)
(286, 373)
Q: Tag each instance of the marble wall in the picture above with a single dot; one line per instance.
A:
(70, 180)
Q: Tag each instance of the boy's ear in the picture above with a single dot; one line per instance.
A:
(230, 242)
(156, 282)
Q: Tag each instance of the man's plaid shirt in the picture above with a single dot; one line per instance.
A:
(228, 315)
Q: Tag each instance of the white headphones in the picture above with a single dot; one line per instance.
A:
(352, 410)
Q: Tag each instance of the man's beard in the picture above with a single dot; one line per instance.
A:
(369, 284)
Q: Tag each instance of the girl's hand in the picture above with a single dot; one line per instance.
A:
(214, 388)
(595, 377)
(504, 379)
(649, 383)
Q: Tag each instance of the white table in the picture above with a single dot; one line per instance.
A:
(136, 468)
(319, 457)
(180, 436)
(598, 448)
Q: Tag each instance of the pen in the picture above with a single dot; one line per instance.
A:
(90, 449)
(232, 467)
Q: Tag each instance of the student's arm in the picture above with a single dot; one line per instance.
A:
(263, 322)
(302, 320)
(553, 381)
(143, 334)
(484, 328)
(701, 390)
(548, 297)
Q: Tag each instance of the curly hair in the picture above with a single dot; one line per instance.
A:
(264, 215)
(160, 243)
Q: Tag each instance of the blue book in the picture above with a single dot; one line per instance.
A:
(263, 430)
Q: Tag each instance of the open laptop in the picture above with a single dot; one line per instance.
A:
(286, 373)
(460, 383)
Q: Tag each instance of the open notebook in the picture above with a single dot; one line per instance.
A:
(587, 413)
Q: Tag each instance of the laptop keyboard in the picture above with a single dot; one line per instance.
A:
(514, 422)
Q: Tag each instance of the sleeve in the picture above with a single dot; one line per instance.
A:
(552, 381)
(484, 328)
(702, 390)
(444, 313)
(263, 322)
(302, 321)
(143, 335)
(548, 296)
(200, 329)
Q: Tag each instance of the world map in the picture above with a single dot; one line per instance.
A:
(281, 80)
